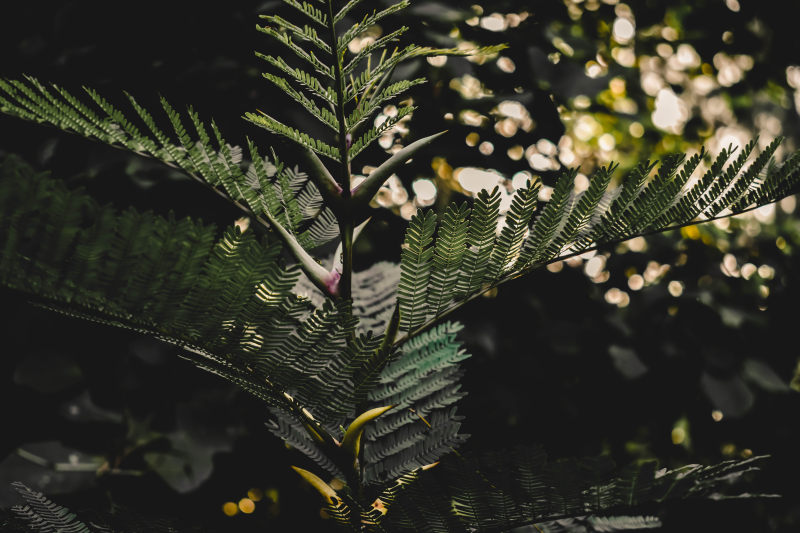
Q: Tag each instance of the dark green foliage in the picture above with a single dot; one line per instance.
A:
(342, 94)
(509, 243)
(448, 255)
(548, 221)
(576, 223)
(44, 516)
(40, 515)
(591, 524)
(495, 492)
(480, 239)
(319, 359)
(586, 214)
(423, 384)
(422, 381)
(416, 267)
(259, 187)
(612, 223)
(503, 490)
(228, 304)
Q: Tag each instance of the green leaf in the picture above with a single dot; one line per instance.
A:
(267, 122)
(415, 265)
(480, 240)
(451, 245)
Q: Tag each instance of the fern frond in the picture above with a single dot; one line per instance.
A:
(370, 105)
(290, 431)
(509, 243)
(385, 500)
(423, 384)
(268, 123)
(215, 163)
(324, 115)
(577, 223)
(369, 20)
(548, 222)
(367, 88)
(656, 197)
(302, 77)
(43, 515)
(260, 186)
(480, 239)
(448, 256)
(779, 182)
(308, 56)
(612, 224)
(367, 50)
(675, 188)
(745, 191)
(504, 490)
(742, 185)
(324, 228)
(308, 9)
(373, 295)
(305, 33)
(228, 303)
(415, 268)
(372, 134)
(373, 76)
(344, 10)
(721, 184)
(689, 205)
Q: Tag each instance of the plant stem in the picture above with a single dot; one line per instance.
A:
(346, 281)
(344, 183)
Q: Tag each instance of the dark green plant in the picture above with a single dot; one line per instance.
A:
(359, 369)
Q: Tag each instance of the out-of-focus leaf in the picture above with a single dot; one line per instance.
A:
(204, 427)
(732, 396)
(440, 12)
(187, 465)
(83, 409)
(627, 362)
(48, 466)
(762, 375)
(48, 373)
(795, 384)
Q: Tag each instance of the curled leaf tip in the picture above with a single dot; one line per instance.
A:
(315, 481)
(352, 437)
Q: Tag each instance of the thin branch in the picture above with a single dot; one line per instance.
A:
(322, 178)
(316, 273)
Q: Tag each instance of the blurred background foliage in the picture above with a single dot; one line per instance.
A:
(679, 346)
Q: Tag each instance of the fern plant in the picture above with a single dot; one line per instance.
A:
(360, 370)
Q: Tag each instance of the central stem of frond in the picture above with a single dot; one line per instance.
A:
(344, 148)
(345, 216)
